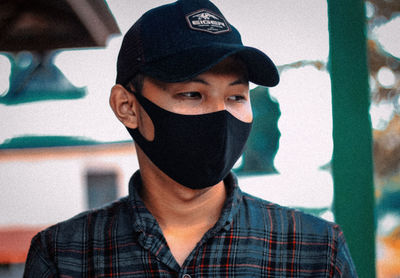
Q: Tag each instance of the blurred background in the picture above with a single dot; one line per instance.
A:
(62, 151)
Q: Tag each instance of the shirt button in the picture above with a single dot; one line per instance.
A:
(186, 276)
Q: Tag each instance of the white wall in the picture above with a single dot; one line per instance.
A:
(46, 191)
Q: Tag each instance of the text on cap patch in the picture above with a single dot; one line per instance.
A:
(207, 21)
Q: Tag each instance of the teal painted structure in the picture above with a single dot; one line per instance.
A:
(352, 165)
(34, 77)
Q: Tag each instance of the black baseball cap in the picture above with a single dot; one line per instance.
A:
(177, 41)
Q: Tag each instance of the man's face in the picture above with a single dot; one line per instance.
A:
(224, 87)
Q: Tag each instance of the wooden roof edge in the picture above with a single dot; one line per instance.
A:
(44, 153)
(97, 18)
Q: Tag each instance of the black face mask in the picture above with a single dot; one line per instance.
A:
(196, 151)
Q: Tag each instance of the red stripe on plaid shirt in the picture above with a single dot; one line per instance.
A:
(229, 252)
(270, 241)
(294, 242)
(291, 270)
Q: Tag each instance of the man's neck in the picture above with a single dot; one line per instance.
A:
(184, 214)
(174, 205)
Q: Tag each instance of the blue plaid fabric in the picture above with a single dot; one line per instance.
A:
(253, 238)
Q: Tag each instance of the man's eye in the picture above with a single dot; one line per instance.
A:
(237, 98)
(190, 95)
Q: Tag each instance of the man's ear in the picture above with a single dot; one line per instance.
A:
(123, 103)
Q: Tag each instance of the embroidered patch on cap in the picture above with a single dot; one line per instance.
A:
(207, 21)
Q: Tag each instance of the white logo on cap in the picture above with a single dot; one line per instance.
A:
(207, 21)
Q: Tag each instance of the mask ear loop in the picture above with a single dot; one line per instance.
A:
(151, 108)
(134, 132)
(157, 116)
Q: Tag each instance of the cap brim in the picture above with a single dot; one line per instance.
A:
(192, 62)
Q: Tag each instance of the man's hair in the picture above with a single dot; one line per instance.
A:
(231, 64)
(136, 83)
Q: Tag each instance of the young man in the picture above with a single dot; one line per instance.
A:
(182, 92)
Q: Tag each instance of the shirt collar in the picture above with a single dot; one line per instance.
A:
(232, 203)
(143, 220)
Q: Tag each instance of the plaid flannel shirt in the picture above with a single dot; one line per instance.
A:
(253, 238)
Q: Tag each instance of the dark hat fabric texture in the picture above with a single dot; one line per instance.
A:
(178, 41)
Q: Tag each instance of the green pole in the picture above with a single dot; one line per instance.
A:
(352, 165)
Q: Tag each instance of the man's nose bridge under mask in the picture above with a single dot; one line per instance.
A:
(217, 105)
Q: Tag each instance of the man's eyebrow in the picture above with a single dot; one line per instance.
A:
(240, 81)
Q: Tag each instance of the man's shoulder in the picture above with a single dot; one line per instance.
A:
(276, 215)
(88, 223)
(71, 244)
(322, 242)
